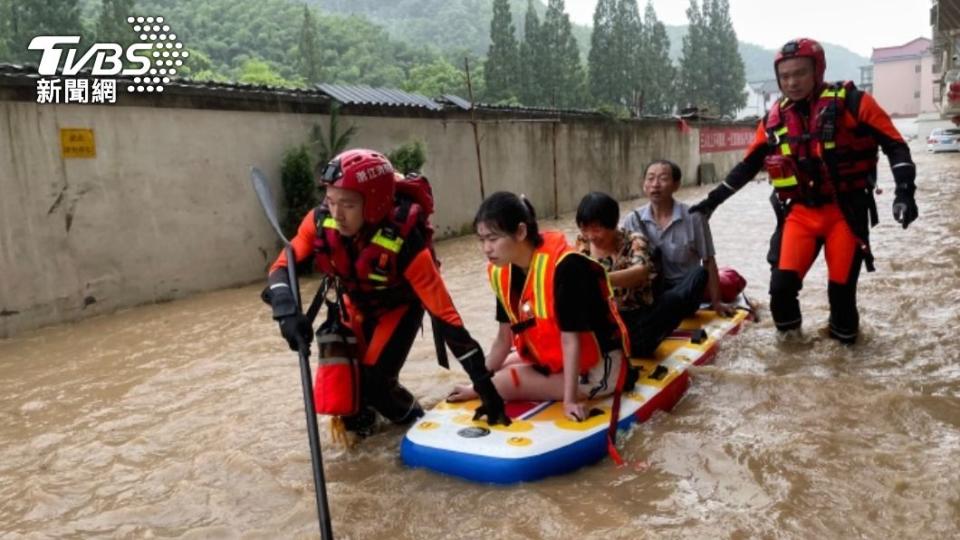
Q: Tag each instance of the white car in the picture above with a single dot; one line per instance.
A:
(944, 140)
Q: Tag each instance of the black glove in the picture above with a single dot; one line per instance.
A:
(295, 328)
(491, 404)
(905, 209)
(704, 207)
(294, 325)
(713, 199)
(904, 205)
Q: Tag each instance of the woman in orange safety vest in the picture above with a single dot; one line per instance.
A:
(559, 335)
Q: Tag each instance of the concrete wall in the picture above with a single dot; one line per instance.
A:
(165, 208)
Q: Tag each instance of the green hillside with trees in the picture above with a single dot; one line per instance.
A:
(420, 45)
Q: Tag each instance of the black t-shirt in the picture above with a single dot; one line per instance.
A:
(580, 303)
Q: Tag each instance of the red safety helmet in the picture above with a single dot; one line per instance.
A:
(367, 172)
(803, 48)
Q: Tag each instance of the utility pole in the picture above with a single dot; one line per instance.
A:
(473, 122)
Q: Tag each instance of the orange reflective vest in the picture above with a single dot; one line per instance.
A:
(536, 334)
(825, 152)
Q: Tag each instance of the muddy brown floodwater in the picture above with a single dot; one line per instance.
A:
(185, 419)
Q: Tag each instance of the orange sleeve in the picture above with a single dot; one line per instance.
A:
(874, 116)
(759, 139)
(302, 243)
(427, 283)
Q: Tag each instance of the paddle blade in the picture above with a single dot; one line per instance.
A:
(262, 189)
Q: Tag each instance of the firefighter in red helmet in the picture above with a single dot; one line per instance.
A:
(819, 145)
(378, 251)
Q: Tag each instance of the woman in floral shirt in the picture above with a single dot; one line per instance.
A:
(628, 257)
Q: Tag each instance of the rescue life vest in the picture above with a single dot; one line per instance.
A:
(821, 154)
(370, 275)
(536, 333)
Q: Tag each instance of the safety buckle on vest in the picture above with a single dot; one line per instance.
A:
(390, 233)
(828, 126)
(773, 139)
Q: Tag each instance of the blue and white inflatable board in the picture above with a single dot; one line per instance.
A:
(541, 441)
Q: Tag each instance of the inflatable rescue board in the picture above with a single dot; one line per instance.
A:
(541, 441)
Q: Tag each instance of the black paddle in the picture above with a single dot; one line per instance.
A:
(320, 486)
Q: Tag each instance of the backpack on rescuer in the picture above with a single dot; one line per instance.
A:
(415, 191)
(337, 382)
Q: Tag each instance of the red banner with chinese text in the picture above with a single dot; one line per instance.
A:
(722, 139)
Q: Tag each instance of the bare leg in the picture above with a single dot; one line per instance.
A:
(465, 392)
(522, 381)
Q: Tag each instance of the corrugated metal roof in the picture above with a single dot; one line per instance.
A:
(458, 101)
(368, 95)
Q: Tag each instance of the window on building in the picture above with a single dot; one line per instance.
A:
(917, 70)
(916, 94)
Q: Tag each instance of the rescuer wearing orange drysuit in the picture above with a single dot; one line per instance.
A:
(372, 244)
(819, 145)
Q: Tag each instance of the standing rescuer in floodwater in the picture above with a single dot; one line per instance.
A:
(819, 145)
(374, 243)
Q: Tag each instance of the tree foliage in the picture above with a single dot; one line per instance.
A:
(437, 78)
(21, 21)
(394, 43)
(693, 85)
(561, 77)
(502, 66)
(711, 69)
(531, 57)
(256, 71)
(299, 188)
(617, 61)
(602, 58)
(309, 48)
(726, 65)
(409, 157)
(659, 75)
(112, 26)
(329, 143)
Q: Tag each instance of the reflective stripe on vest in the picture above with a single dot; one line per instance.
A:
(538, 270)
(502, 290)
(779, 183)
